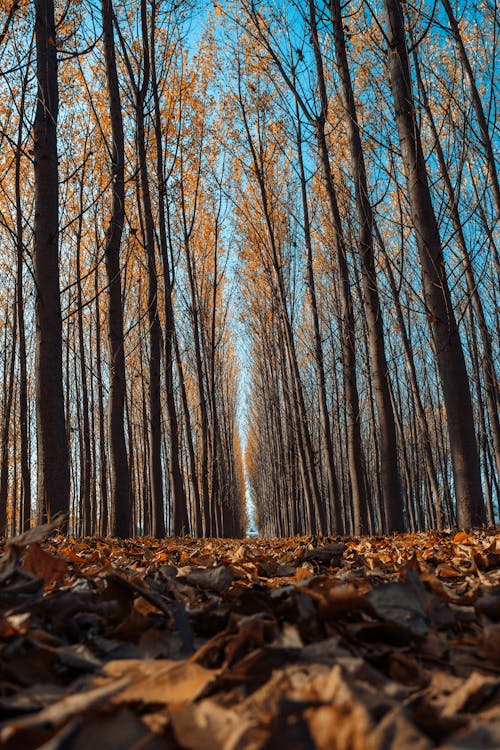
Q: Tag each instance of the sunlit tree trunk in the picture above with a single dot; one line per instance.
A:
(182, 516)
(208, 511)
(355, 451)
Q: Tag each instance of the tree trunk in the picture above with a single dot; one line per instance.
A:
(86, 460)
(120, 481)
(25, 510)
(488, 368)
(391, 487)
(355, 451)
(326, 432)
(443, 325)
(420, 412)
(7, 409)
(53, 459)
(177, 484)
(103, 460)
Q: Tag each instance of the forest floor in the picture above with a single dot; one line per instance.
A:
(360, 644)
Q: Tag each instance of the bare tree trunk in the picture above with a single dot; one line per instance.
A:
(420, 412)
(326, 433)
(488, 368)
(53, 466)
(177, 484)
(215, 458)
(443, 325)
(482, 430)
(67, 384)
(208, 511)
(103, 461)
(25, 511)
(182, 517)
(86, 462)
(391, 486)
(355, 451)
(120, 481)
(7, 409)
(95, 509)
(154, 416)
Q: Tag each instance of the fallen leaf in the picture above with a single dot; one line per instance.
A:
(400, 603)
(44, 565)
(217, 579)
(471, 694)
(161, 681)
(207, 726)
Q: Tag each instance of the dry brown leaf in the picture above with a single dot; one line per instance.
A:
(160, 681)
(44, 565)
(334, 729)
(471, 695)
(208, 726)
(303, 573)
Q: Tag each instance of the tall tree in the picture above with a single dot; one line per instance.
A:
(120, 482)
(140, 88)
(179, 510)
(441, 317)
(391, 492)
(53, 467)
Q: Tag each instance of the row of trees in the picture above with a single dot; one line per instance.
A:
(119, 373)
(315, 180)
(372, 177)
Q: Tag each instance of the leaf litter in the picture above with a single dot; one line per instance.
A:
(373, 643)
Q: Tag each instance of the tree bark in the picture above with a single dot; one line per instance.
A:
(86, 459)
(53, 458)
(176, 479)
(442, 322)
(103, 460)
(120, 481)
(326, 432)
(355, 450)
(391, 486)
(25, 510)
(488, 364)
(8, 374)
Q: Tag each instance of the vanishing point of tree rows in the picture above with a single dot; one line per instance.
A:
(249, 248)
